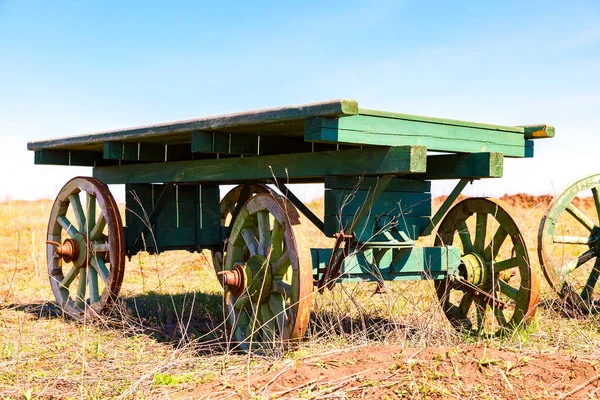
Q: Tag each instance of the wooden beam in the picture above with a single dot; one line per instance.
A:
(149, 152)
(225, 143)
(372, 161)
(436, 136)
(538, 131)
(464, 166)
(68, 157)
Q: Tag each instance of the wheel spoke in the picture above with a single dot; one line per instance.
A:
(480, 232)
(98, 264)
(508, 290)
(279, 267)
(465, 236)
(480, 311)
(250, 240)
(241, 302)
(67, 225)
(100, 247)
(98, 227)
(492, 249)
(264, 232)
(596, 196)
(465, 304)
(93, 285)
(504, 265)
(80, 299)
(592, 280)
(500, 317)
(277, 240)
(277, 305)
(573, 240)
(284, 288)
(579, 261)
(71, 275)
(91, 212)
(78, 211)
(580, 216)
(269, 324)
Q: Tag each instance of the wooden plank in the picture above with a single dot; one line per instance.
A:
(374, 131)
(444, 121)
(148, 152)
(372, 161)
(349, 202)
(68, 157)
(333, 108)
(467, 166)
(538, 131)
(365, 183)
(224, 143)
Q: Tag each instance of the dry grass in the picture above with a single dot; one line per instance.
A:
(165, 337)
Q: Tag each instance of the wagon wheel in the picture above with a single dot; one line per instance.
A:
(86, 248)
(267, 280)
(569, 245)
(227, 208)
(494, 287)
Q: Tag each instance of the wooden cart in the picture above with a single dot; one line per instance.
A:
(376, 167)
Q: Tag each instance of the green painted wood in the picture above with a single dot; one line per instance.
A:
(408, 263)
(439, 214)
(224, 143)
(373, 227)
(467, 166)
(374, 131)
(349, 202)
(538, 131)
(148, 152)
(371, 161)
(180, 216)
(366, 183)
(239, 121)
(441, 121)
(67, 157)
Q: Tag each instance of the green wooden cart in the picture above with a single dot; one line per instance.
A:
(377, 168)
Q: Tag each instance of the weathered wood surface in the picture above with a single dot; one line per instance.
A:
(277, 120)
(368, 161)
(419, 131)
(304, 128)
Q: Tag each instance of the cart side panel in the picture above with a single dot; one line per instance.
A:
(172, 217)
(402, 211)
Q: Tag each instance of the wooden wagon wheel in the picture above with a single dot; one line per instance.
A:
(569, 245)
(268, 282)
(86, 248)
(495, 288)
(227, 208)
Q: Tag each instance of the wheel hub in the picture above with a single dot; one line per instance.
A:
(474, 269)
(254, 275)
(71, 250)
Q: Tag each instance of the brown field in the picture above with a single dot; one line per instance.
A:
(165, 339)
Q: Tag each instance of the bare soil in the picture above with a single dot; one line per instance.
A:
(391, 371)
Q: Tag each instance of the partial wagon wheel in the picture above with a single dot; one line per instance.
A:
(227, 207)
(569, 244)
(495, 287)
(267, 280)
(86, 248)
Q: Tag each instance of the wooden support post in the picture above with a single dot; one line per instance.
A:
(127, 151)
(225, 143)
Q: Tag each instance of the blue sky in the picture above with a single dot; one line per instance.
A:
(70, 67)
